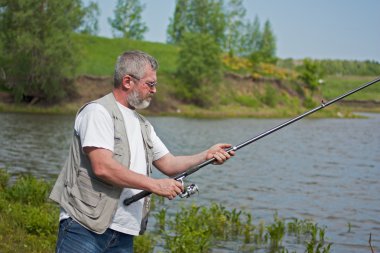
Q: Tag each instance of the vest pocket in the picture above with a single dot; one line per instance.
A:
(85, 196)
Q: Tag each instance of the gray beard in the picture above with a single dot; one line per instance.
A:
(136, 101)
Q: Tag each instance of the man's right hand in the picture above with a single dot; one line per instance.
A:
(168, 188)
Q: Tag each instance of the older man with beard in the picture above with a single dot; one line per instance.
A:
(110, 159)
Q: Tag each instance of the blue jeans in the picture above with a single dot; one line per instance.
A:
(73, 237)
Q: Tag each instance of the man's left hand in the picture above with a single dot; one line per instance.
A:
(219, 152)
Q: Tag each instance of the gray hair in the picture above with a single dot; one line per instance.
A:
(133, 63)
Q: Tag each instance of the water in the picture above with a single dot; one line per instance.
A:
(327, 170)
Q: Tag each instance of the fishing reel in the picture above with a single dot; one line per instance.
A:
(188, 190)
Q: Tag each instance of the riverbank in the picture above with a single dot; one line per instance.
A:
(238, 97)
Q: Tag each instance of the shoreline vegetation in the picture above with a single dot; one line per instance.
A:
(251, 99)
(29, 223)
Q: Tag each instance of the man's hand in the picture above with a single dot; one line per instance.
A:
(219, 152)
(167, 187)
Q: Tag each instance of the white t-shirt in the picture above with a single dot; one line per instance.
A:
(95, 128)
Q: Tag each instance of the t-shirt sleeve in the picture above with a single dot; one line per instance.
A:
(159, 148)
(95, 127)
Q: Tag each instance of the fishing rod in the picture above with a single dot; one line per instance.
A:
(191, 189)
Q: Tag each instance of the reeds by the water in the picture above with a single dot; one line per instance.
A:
(29, 223)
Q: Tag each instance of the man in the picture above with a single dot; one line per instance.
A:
(110, 159)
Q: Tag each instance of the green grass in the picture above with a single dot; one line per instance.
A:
(98, 55)
(335, 86)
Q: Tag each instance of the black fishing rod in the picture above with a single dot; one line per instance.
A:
(191, 189)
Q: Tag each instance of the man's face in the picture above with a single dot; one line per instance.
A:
(143, 90)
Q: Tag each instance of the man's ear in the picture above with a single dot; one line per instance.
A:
(127, 82)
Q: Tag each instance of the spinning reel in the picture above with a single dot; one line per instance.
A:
(188, 190)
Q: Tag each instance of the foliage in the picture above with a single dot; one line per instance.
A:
(311, 74)
(31, 226)
(237, 64)
(28, 222)
(346, 67)
(247, 100)
(89, 24)
(38, 52)
(4, 178)
(177, 23)
(335, 86)
(144, 244)
(127, 21)
(268, 44)
(266, 51)
(272, 71)
(251, 37)
(197, 16)
(338, 68)
(199, 68)
(200, 229)
(227, 24)
(270, 96)
(28, 190)
(235, 13)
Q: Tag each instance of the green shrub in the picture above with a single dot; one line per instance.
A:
(28, 223)
(29, 190)
(270, 96)
(309, 102)
(311, 73)
(4, 178)
(245, 100)
(199, 68)
(144, 244)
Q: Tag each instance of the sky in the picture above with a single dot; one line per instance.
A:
(318, 29)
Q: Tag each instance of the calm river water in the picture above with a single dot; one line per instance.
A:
(327, 170)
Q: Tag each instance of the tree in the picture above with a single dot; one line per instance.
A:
(251, 38)
(89, 23)
(199, 68)
(127, 22)
(37, 52)
(266, 46)
(177, 24)
(197, 16)
(311, 74)
(235, 25)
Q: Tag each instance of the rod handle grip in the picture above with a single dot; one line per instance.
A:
(136, 197)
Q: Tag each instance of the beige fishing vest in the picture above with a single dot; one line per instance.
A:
(87, 199)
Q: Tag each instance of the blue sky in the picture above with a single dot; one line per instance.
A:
(319, 29)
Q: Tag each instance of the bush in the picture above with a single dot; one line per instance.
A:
(28, 223)
(311, 74)
(38, 52)
(199, 68)
(247, 100)
(29, 190)
(270, 97)
(4, 178)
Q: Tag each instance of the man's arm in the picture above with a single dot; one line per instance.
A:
(172, 165)
(111, 171)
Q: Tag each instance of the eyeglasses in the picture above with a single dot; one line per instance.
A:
(150, 84)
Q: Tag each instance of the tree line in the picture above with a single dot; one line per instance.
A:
(38, 56)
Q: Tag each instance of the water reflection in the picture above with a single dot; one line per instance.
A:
(324, 169)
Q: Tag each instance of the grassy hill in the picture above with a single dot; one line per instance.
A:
(98, 55)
